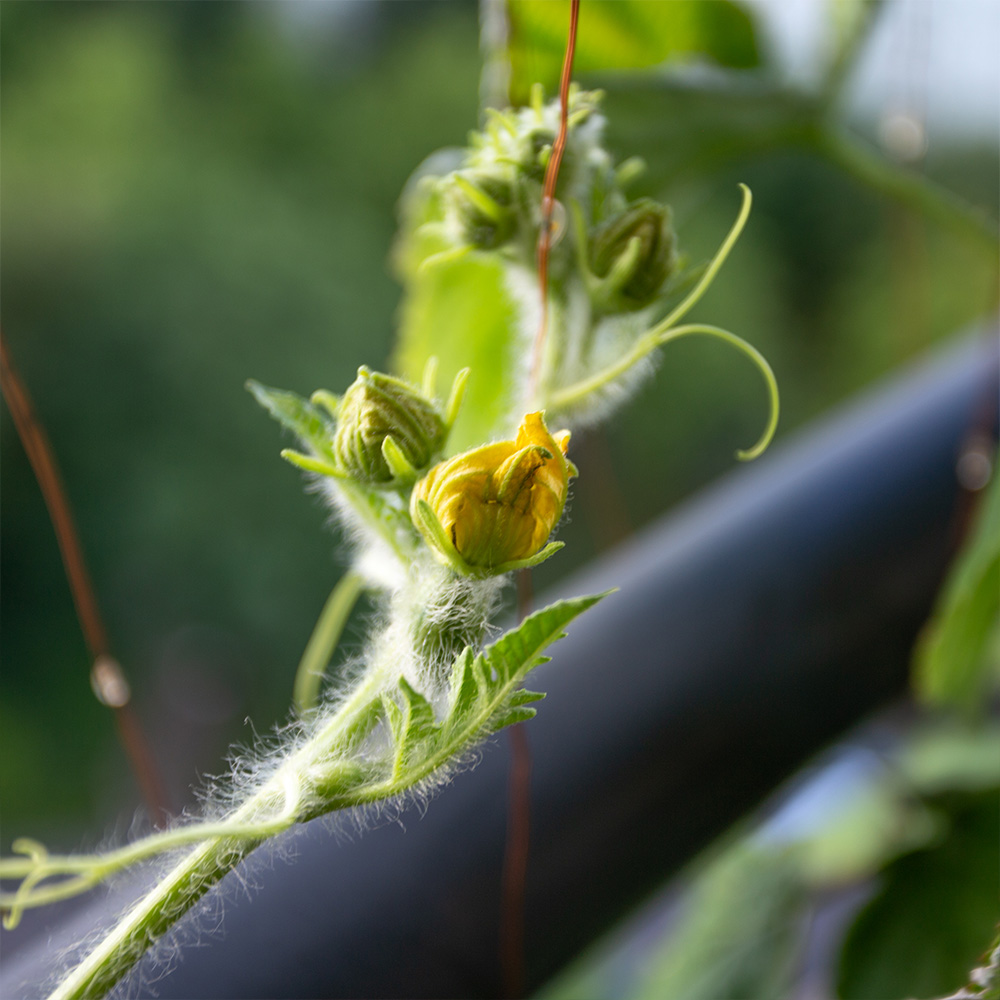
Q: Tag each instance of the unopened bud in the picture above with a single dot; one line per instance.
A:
(492, 509)
(481, 203)
(386, 429)
(633, 254)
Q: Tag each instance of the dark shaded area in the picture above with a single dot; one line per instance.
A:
(752, 627)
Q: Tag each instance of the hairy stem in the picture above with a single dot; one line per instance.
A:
(324, 773)
(286, 798)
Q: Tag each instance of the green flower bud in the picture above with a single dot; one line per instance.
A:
(481, 203)
(386, 429)
(633, 254)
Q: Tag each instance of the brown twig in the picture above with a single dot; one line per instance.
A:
(106, 676)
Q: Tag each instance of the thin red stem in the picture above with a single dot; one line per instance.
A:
(549, 196)
(107, 677)
(515, 868)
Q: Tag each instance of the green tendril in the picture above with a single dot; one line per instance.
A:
(572, 396)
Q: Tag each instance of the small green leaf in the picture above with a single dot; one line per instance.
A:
(518, 708)
(485, 697)
(524, 697)
(419, 716)
(302, 418)
(464, 684)
(394, 715)
(624, 34)
(517, 652)
(511, 716)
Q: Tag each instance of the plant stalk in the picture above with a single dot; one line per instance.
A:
(286, 798)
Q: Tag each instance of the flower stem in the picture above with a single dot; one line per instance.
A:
(288, 797)
(324, 639)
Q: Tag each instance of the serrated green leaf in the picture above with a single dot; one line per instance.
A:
(511, 716)
(518, 651)
(624, 34)
(485, 697)
(307, 422)
(524, 697)
(958, 660)
(419, 716)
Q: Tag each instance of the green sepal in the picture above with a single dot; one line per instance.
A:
(455, 397)
(443, 549)
(399, 465)
(310, 464)
(328, 400)
(539, 557)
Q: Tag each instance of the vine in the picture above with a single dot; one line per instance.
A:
(436, 534)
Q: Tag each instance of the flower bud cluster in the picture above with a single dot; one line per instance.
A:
(482, 513)
(632, 254)
(491, 202)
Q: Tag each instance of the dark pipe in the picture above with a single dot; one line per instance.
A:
(752, 627)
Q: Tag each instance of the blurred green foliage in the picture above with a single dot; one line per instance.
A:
(958, 659)
(935, 911)
(885, 890)
(624, 35)
(194, 194)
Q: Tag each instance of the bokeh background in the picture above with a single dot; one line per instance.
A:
(193, 194)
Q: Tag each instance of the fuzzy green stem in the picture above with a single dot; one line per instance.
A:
(322, 775)
(285, 799)
(480, 695)
(324, 639)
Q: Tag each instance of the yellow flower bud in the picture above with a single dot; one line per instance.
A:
(492, 509)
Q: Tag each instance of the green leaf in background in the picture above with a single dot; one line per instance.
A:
(935, 914)
(950, 757)
(624, 34)
(478, 330)
(737, 937)
(957, 659)
(684, 130)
